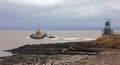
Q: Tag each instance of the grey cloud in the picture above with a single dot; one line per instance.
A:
(69, 12)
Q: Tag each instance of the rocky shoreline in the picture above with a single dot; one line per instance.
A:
(102, 51)
(104, 58)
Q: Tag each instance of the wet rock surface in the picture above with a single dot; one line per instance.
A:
(104, 58)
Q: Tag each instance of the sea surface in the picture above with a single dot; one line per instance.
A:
(14, 38)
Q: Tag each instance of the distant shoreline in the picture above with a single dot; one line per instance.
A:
(55, 29)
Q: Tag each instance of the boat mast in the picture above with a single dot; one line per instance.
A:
(38, 27)
(38, 32)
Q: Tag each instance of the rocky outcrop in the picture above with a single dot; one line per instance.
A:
(103, 51)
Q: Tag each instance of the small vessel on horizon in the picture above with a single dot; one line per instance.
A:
(38, 34)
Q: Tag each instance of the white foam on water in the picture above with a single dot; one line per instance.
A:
(63, 38)
(72, 39)
(45, 38)
(3, 53)
(67, 39)
(88, 39)
(56, 38)
(28, 37)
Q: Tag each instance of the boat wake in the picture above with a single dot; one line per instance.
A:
(87, 39)
(67, 39)
(73, 39)
(28, 38)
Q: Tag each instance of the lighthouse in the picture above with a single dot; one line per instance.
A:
(107, 30)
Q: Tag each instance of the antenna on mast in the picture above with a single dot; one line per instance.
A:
(38, 29)
(38, 26)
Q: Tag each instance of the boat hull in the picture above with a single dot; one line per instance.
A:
(37, 37)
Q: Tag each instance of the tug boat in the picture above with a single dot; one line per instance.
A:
(38, 34)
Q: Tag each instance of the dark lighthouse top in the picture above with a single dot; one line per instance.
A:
(107, 30)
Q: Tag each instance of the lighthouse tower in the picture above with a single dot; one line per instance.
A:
(107, 30)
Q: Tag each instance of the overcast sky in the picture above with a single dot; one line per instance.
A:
(26, 14)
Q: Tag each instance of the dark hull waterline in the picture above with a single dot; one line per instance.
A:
(37, 37)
